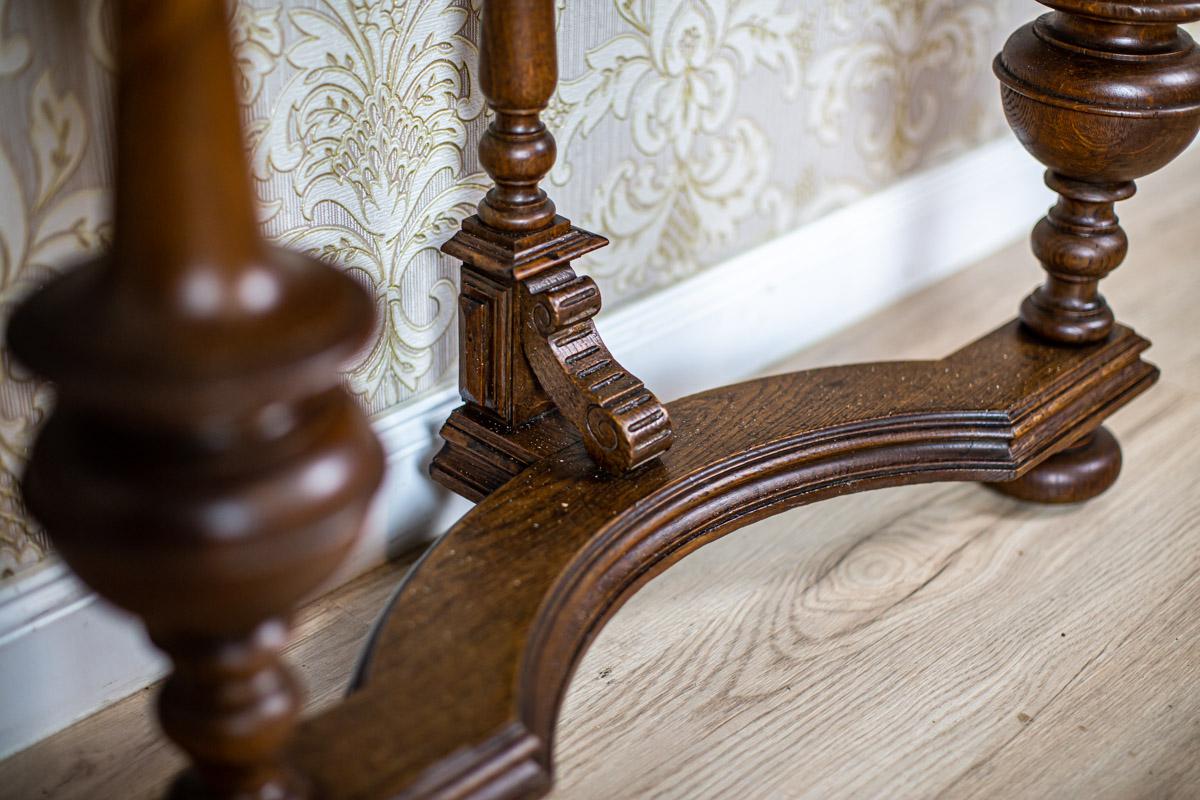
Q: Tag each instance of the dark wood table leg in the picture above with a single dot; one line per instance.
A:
(1103, 93)
(534, 373)
(203, 468)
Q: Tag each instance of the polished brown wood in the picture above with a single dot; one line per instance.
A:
(518, 69)
(809, 633)
(528, 349)
(473, 656)
(1102, 93)
(216, 472)
(622, 423)
(203, 468)
(1081, 472)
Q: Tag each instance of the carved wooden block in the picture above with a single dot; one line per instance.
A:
(495, 377)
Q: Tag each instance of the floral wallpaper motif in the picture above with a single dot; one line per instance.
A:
(53, 208)
(673, 80)
(257, 40)
(916, 55)
(688, 130)
(370, 130)
(691, 129)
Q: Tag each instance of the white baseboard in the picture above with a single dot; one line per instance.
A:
(64, 654)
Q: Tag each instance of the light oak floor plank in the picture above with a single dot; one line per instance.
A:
(936, 641)
(117, 753)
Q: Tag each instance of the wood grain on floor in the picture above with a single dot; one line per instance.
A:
(919, 642)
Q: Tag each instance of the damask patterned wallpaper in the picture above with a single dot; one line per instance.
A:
(688, 130)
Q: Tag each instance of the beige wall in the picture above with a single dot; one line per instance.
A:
(689, 130)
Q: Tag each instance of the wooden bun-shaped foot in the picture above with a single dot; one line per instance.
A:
(1079, 473)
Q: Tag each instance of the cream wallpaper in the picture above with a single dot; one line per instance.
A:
(688, 130)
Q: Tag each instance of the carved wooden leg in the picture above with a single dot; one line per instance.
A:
(203, 468)
(1103, 93)
(533, 370)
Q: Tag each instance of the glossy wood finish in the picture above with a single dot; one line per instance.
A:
(869, 645)
(1081, 472)
(478, 646)
(622, 424)
(1103, 93)
(528, 349)
(202, 468)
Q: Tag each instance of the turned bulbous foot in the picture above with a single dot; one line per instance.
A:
(1079, 473)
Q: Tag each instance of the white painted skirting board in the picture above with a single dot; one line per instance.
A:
(64, 654)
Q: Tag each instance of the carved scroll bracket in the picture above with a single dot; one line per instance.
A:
(532, 360)
(622, 423)
(533, 371)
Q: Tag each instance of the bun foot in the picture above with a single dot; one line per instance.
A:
(1079, 473)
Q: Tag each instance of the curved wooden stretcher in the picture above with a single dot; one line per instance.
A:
(204, 469)
(476, 675)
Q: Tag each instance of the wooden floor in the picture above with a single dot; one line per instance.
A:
(930, 641)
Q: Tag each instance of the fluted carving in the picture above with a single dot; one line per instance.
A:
(624, 425)
(1103, 93)
(203, 468)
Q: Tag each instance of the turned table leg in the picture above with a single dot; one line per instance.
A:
(534, 373)
(203, 468)
(1103, 93)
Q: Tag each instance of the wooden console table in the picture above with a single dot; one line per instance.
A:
(204, 469)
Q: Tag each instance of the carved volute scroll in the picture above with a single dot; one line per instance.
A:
(624, 426)
(203, 468)
(512, 375)
(1103, 93)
